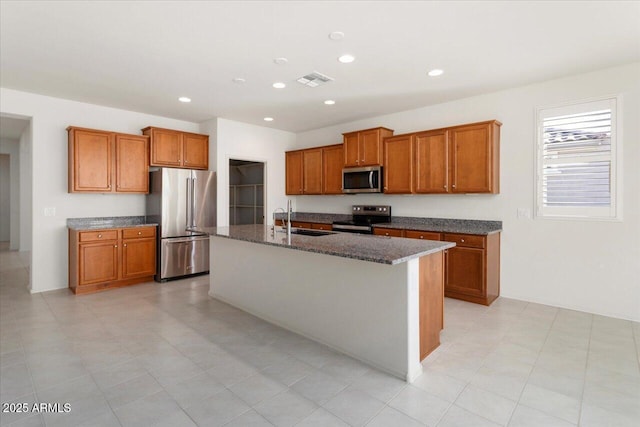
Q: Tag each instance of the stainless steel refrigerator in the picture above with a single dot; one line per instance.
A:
(182, 202)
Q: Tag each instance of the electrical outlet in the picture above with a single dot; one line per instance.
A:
(49, 211)
(524, 213)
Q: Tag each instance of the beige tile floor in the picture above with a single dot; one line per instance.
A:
(169, 355)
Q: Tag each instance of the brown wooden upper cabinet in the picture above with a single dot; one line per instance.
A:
(460, 159)
(475, 158)
(107, 162)
(364, 147)
(332, 163)
(178, 149)
(304, 171)
(398, 164)
(293, 171)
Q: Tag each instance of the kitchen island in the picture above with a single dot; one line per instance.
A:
(378, 299)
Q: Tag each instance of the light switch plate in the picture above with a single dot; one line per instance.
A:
(49, 211)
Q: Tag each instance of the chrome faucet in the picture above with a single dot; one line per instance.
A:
(274, 217)
(285, 222)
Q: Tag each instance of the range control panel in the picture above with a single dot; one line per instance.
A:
(378, 210)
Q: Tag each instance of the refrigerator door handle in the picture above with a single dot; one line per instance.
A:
(188, 207)
(193, 202)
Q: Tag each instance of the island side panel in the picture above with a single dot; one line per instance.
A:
(431, 302)
(364, 309)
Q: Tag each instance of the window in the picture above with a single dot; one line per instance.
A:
(577, 161)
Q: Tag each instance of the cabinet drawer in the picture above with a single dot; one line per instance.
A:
(98, 235)
(393, 232)
(298, 224)
(133, 233)
(466, 240)
(316, 226)
(426, 235)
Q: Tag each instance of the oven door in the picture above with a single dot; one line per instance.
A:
(362, 180)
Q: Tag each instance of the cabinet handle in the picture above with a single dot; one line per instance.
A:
(186, 161)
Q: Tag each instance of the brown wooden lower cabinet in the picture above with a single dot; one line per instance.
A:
(473, 268)
(104, 259)
(316, 226)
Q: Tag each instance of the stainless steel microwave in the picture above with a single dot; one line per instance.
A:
(362, 180)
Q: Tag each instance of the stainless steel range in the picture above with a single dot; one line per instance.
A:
(363, 218)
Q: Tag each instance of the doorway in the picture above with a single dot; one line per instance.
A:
(246, 192)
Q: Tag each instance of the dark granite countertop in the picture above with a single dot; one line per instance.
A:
(100, 223)
(380, 249)
(444, 225)
(439, 225)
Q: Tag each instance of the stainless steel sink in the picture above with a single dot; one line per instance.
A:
(307, 232)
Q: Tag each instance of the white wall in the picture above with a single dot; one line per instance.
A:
(45, 148)
(242, 141)
(5, 197)
(11, 230)
(26, 190)
(583, 265)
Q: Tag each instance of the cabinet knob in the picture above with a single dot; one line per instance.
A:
(115, 246)
(125, 245)
(462, 240)
(386, 234)
(139, 233)
(422, 237)
(454, 186)
(99, 236)
(186, 161)
(445, 186)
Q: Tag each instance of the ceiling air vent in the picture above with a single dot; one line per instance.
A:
(314, 79)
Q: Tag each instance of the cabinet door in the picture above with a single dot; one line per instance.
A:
(293, 172)
(132, 164)
(138, 258)
(471, 159)
(432, 160)
(398, 164)
(195, 151)
(332, 164)
(370, 148)
(90, 161)
(465, 271)
(351, 149)
(312, 171)
(166, 148)
(98, 262)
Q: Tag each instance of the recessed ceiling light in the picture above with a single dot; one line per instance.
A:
(336, 35)
(268, 119)
(345, 59)
(184, 99)
(279, 85)
(239, 80)
(329, 102)
(435, 72)
(281, 61)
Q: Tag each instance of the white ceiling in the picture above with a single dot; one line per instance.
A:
(142, 56)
